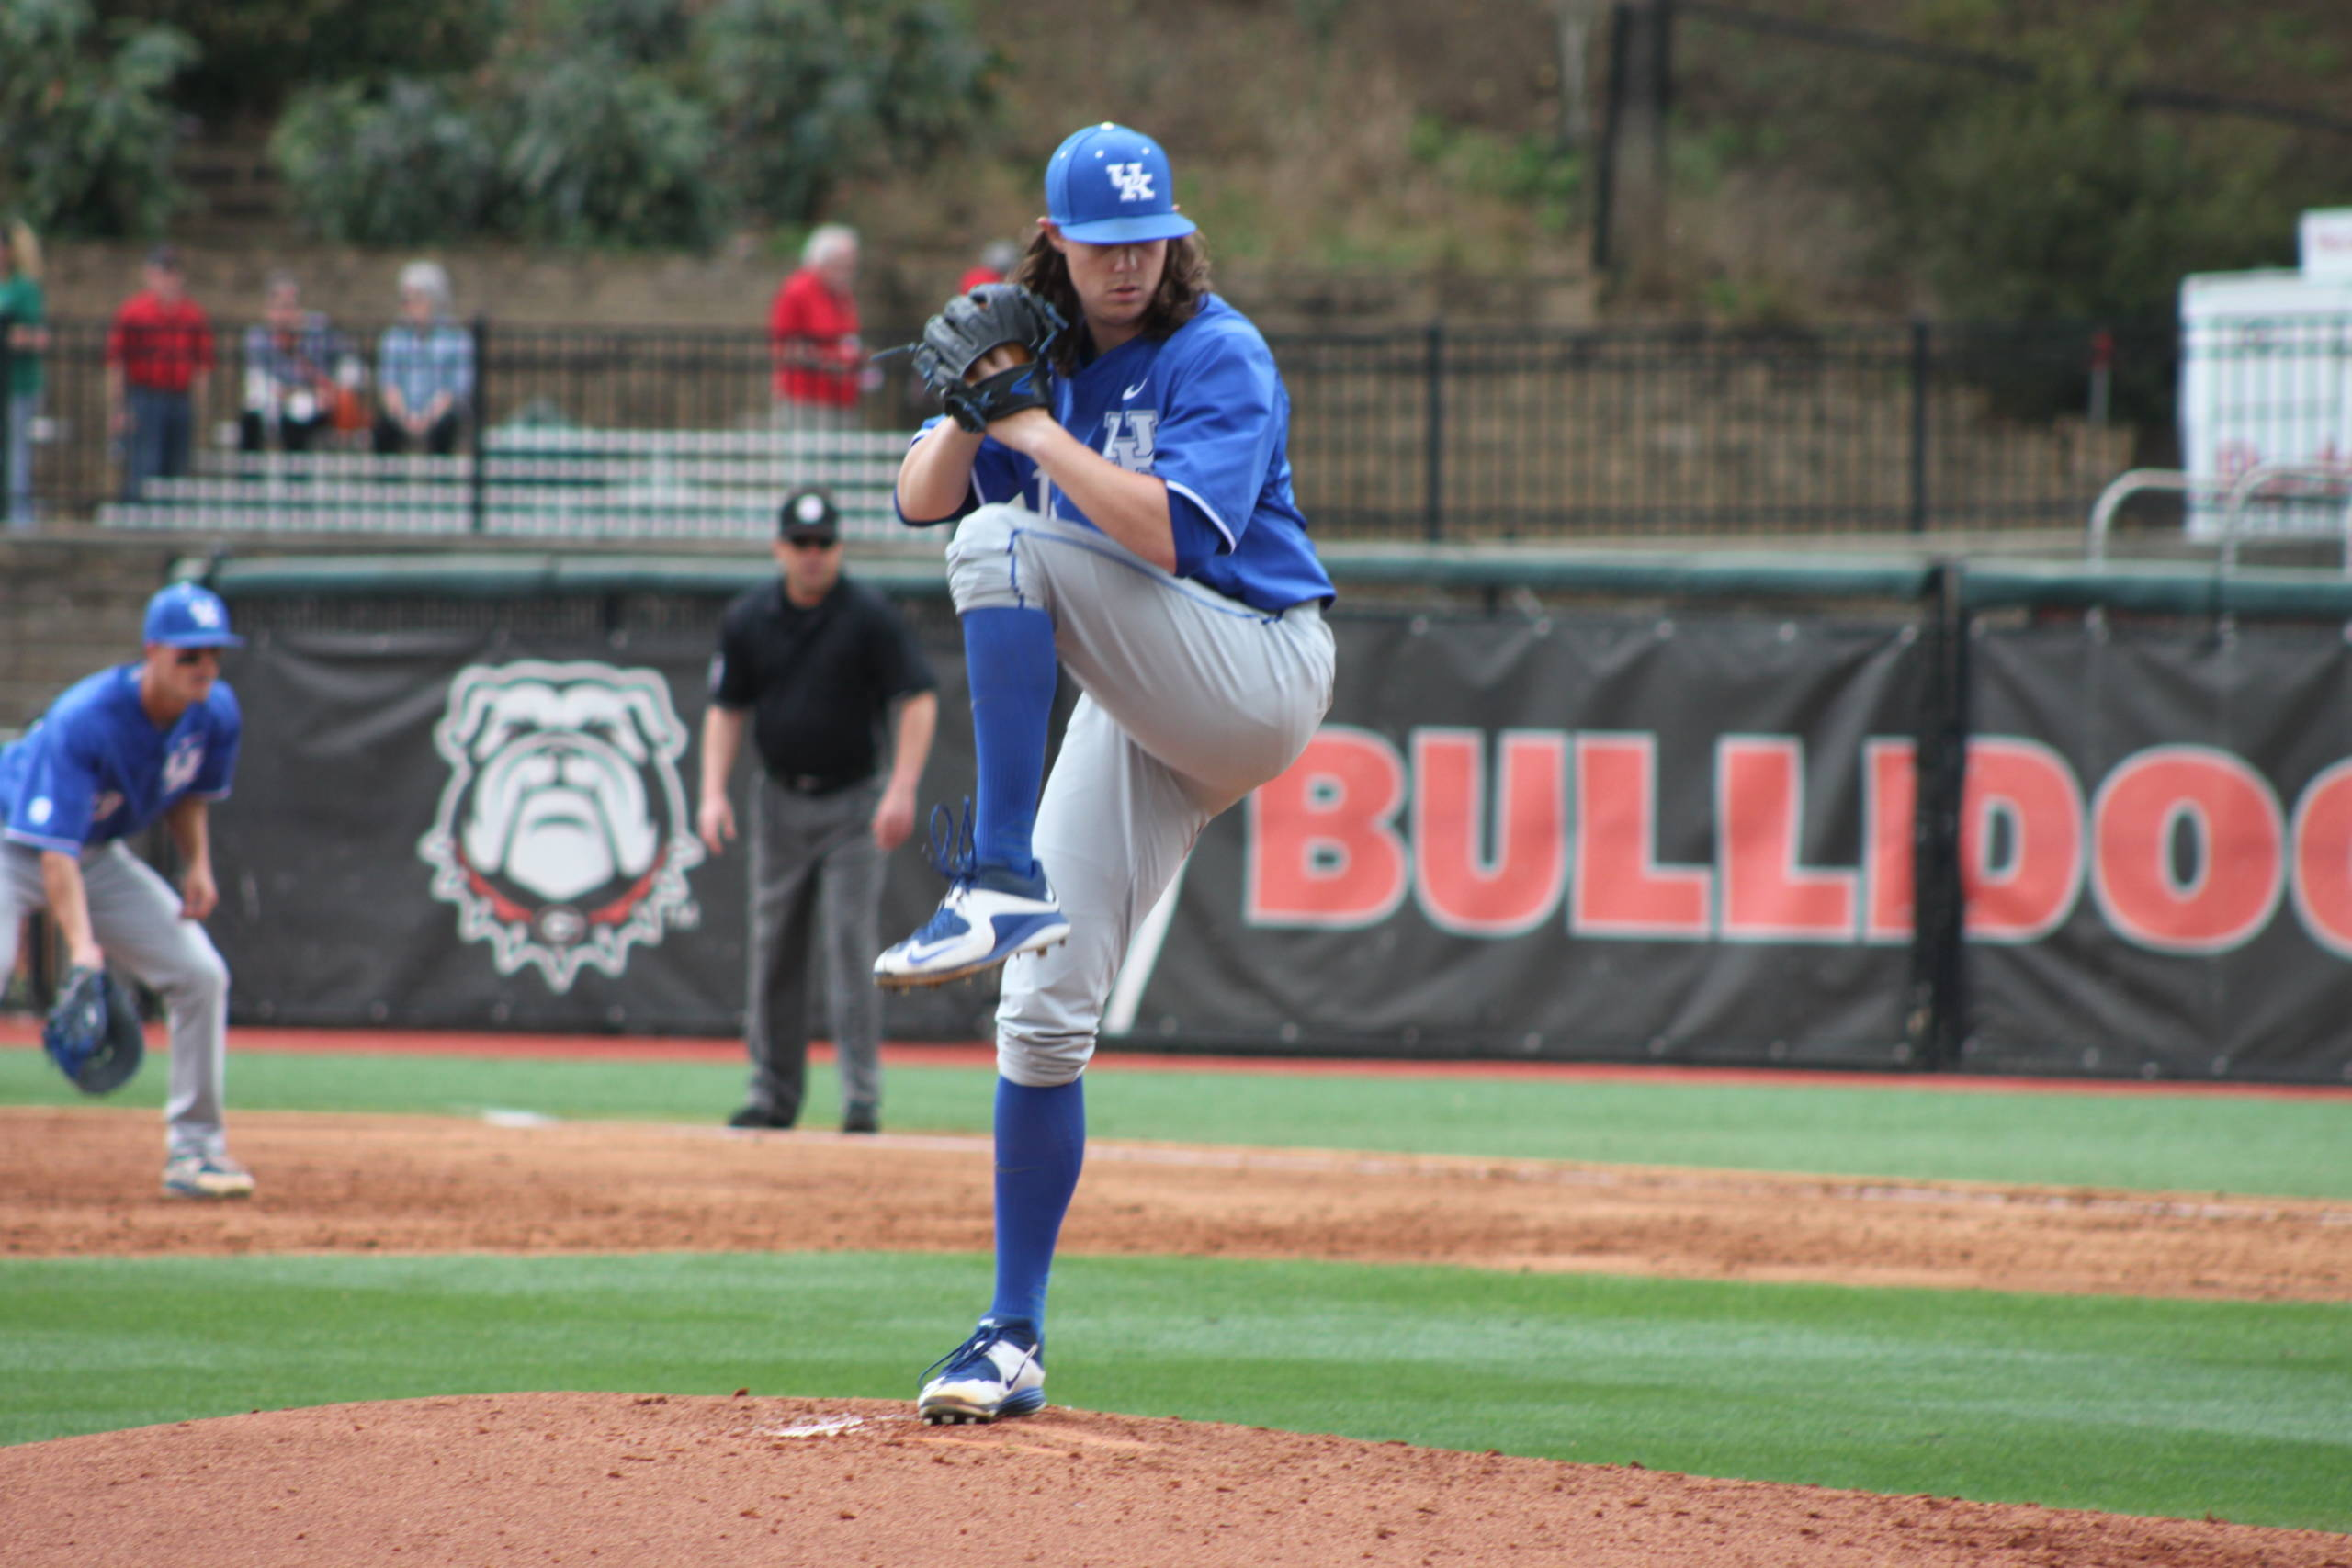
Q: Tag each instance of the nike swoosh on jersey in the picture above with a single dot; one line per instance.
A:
(1131, 391)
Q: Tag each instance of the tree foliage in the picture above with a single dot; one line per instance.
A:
(254, 53)
(2059, 195)
(2047, 191)
(638, 122)
(86, 126)
(399, 162)
(810, 93)
(648, 32)
(604, 152)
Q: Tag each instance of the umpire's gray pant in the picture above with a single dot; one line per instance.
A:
(816, 888)
(135, 916)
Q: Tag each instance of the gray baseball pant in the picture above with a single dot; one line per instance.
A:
(135, 916)
(816, 894)
(1190, 700)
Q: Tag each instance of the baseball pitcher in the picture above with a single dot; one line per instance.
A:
(1114, 459)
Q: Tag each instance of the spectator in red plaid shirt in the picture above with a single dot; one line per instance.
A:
(158, 355)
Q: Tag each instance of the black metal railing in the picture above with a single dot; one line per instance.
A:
(1426, 433)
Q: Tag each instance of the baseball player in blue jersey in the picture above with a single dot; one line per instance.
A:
(141, 743)
(1142, 532)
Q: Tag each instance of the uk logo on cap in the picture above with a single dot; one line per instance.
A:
(1109, 185)
(188, 615)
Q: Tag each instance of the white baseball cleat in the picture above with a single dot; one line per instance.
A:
(975, 930)
(206, 1176)
(998, 1372)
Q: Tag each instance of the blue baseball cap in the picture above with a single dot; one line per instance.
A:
(1110, 186)
(188, 615)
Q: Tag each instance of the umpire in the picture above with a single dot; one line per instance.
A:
(817, 668)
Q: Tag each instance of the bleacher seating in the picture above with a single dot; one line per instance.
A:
(540, 481)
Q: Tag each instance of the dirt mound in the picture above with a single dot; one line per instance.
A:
(661, 1479)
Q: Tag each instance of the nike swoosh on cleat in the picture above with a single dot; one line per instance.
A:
(925, 955)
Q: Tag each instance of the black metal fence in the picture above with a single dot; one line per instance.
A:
(1535, 435)
(1434, 432)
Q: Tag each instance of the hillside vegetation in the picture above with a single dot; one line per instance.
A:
(1345, 155)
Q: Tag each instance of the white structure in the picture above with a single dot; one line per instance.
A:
(2326, 237)
(2266, 378)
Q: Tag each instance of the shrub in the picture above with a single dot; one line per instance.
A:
(256, 53)
(2058, 197)
(602, 152)
(649, 32)
(401, 162)
(809, 93)
(628, 122)
(86, 129)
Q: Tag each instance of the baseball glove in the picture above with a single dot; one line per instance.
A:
(91, 1032)
(993, 316)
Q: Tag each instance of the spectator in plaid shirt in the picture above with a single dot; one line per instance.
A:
(291, 356)
(425, 368)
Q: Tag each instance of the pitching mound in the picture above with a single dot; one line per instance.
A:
(656, 1479)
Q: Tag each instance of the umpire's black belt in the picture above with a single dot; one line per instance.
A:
(819, 783)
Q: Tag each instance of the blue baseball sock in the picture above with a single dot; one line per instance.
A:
(1040, 1148)
(1009, 663)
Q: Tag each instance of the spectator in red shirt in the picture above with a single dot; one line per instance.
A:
(997, 259)
(812, 332)
(158, 355)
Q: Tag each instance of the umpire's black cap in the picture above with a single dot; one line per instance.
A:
(808, 514)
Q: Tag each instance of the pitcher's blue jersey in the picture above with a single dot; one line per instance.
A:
(96, 768)
(1203, 410)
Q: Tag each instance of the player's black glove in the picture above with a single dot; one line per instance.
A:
(993, 316)
(91, 1032)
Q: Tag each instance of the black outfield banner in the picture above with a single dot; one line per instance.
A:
(1689, 838)
(1685, 838)
(2156, 845)
(457, 830)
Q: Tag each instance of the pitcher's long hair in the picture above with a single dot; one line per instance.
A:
(1183, 287)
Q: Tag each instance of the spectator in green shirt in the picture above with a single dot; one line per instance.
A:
(21, 321)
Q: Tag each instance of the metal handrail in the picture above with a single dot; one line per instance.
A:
(2235, 493)
(2262, 474)
(2128, 484)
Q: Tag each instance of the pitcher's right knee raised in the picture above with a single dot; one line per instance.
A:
(983, 561)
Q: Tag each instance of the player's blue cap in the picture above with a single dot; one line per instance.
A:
(1110, 186)
(188, 615)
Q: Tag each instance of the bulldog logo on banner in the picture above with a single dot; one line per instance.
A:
(562, 836)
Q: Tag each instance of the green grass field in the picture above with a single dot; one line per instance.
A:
(2176, 1408)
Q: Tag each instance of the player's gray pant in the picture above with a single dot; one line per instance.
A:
(1192, 701)
(135, 916)
(816, 890)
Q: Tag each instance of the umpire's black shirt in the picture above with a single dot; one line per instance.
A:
(820, 681)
